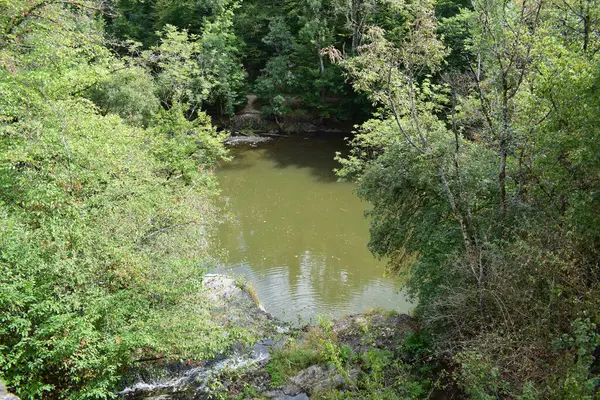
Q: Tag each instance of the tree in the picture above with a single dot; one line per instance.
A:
(129, 93)
(277, 79)
(462, 168)
(103, 233)
(356, 14)
(198, 70)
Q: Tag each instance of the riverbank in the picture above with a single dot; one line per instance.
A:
(251, 121)
(328, 360)
(351, 356)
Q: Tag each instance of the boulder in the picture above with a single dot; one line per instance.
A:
(377, 329)
(4, 395)
(246, 140)
(279, 395)
(316, 379)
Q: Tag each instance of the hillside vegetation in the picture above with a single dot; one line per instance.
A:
(477, 142)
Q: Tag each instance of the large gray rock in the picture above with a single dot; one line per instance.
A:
(377, 329)
(4, 395)
(236, 304)
(280, 395)
(316, 379)
(246, 140)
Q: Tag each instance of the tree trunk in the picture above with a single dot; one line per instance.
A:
(586, 31)
(504, 143)
(355, 20)
(322, 70)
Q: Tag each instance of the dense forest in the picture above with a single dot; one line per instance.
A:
(477, 142)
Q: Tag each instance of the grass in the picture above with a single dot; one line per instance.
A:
(369, 372)
(249, 288)
(296, 356)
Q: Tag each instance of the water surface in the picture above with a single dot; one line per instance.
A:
(299, 235)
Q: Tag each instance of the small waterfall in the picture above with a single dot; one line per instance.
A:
(193, 382)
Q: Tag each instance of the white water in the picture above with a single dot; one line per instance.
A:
(200, 377)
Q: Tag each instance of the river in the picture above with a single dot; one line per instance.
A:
(299, 236)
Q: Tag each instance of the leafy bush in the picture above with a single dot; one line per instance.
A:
(577, 347)
(129, 93)
(104, 225)
(102, 255)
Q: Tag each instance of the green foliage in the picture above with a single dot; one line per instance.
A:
(128, 93)
(478, 378)
(277, 79)
(480, 161)
(189, 14)
(479, 167)
(295, 357)
(272, 86)
(95, 241)
(417, 346)
(132, 20)
(192, 50)
(105, 224)
(284, 53)
(578, 346)
(187, 149)
(197, 70)
(140, 20)
(279, 37)
(302, 30)
(368, 371)
(249, 392)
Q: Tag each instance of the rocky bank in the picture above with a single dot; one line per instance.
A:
(288, 363)
(4, 395)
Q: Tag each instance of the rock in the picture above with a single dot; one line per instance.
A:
(279, 395)
(301, 396)
(291, 389)
(246, 140)
(316, 379)
(250, 120)
(236, 304)
(375, 329)
(4, 395)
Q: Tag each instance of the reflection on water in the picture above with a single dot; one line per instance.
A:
(298, 235)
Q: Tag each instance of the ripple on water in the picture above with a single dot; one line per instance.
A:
(299, 236)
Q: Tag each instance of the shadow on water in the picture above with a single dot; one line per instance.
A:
(314, 151)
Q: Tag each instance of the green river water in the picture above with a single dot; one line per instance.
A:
(299, 235)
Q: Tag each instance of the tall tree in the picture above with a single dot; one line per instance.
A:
(481, 172)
